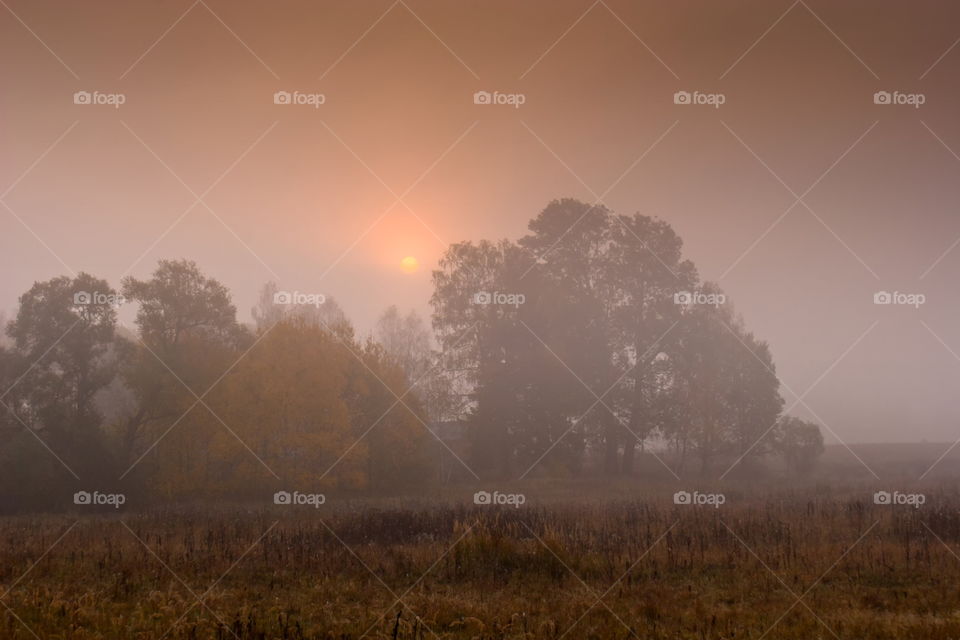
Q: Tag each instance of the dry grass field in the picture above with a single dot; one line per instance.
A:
(809, 564)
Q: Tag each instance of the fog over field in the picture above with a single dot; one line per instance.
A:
(479, 319)
(310, 198)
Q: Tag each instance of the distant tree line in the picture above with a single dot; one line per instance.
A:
(588, 339)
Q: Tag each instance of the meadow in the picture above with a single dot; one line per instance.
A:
(805, 563)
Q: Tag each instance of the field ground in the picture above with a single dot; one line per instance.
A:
(815, 562)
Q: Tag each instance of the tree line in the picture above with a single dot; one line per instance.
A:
(588, 339)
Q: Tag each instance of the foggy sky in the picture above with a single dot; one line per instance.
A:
(308, 192)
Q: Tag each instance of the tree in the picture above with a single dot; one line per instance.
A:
(275, 304)
(60, 358)
(188, 336)
(405, 341)
(647, 273)
(283, 411)
(799, 442)
(612, 345)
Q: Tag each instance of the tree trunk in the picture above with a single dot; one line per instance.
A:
(629, 449)
(610, 461)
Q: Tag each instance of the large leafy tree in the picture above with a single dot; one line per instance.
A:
(61, 355)
(608, 350)
(188, 336)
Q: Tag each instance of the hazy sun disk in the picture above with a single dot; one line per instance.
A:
(409, 264)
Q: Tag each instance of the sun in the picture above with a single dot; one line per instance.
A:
(409, 264)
